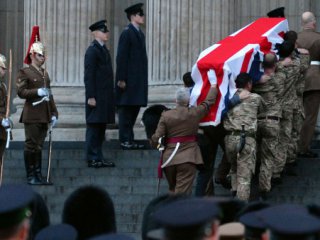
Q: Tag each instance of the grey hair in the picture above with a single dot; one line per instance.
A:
(183, 96)
(307, 17)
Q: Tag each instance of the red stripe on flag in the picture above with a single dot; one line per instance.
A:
(230, 46)
(246, 60)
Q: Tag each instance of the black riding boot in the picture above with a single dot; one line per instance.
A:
(38, 169)
(29, 161)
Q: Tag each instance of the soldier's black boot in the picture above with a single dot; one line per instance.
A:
(29, 161)
(290, 169)
(38, 169)
(263, 195)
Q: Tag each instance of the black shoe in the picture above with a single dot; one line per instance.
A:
(263, 195)
(290, 169)
(234, 194)
(107, 163)
(276, 181)
(308, 154)
(131, 146)
(94, 164)
(34, 181)
(225, 182)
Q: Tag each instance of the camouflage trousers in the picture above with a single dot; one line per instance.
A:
(242, 166)
(297, 121)
(268, 140)
(285, 140)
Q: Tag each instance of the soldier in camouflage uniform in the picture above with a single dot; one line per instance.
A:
(269, 87)
(242, 162)
(298, 110)
(292, 67)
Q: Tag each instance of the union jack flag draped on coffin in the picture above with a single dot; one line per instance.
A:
(242, 51)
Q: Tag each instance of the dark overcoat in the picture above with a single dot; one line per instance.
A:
(99, 84)
(28, 81)
(132, 67)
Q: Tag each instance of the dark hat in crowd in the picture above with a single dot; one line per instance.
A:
(254, 226)
(289, 221)
(276, 13)
(114, 236)
(57, 232)
(15, 201)
(184, 218)
(100, 26)
(135, 9)
(187, 212)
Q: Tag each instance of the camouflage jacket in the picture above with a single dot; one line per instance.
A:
(270, 92)
(293, 71)
(245, 113)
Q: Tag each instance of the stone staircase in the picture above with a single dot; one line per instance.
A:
(133, 182)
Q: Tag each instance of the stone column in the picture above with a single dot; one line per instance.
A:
(64, 31)
(177, 31)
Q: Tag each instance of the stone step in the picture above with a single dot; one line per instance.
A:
(133, 182)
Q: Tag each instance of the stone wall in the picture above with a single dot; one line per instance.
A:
(176, 32)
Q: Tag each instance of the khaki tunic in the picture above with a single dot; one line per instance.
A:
(28, 81)
(183, 121)
(309, 39)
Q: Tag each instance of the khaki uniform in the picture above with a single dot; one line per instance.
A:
(3, 106)
(297, 111)
(269, 126)
(289, 99)
(34, 117)
(309, 39)
(243, 166)
(179, 122)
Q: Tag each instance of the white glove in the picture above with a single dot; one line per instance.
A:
(54, 121)
(5, 122)
(212, 77)
(43, 92)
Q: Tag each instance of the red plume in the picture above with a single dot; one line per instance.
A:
(35, 36)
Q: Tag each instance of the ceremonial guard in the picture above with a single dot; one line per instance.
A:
(5, 122)
(99, 85)
(33, 85)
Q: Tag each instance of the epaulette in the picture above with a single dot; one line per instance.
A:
(126, 28)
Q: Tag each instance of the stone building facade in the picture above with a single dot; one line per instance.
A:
(176, 32)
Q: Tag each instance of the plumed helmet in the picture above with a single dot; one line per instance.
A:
(3, 61)
(35, 46)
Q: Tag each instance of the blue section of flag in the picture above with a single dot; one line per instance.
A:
(255, 72)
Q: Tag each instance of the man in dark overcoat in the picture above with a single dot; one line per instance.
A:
(99, 86)
(131, 76)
